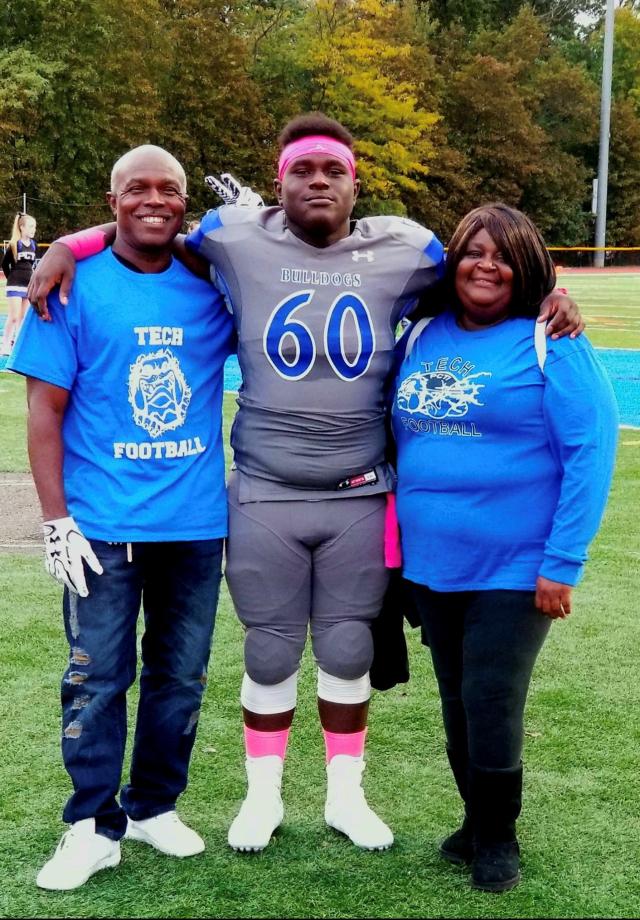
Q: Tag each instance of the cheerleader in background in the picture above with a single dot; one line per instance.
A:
(17, 265)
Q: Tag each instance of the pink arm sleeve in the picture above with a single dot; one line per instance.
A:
(84, 243)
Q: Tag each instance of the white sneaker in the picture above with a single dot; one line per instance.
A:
(167, 833)
(262, 810)
(80, 853)
(346, 808)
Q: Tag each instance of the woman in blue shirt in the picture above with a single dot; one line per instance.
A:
(506, 447)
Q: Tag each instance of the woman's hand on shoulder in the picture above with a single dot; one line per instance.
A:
(562, 315)
(553, 598)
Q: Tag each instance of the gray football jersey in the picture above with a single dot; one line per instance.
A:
(315, 340)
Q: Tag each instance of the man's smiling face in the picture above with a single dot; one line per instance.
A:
(148, 199)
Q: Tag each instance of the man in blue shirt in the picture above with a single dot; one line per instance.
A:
(125, 398)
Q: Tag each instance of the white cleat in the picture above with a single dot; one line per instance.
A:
(262, 810)
(346, 808)
(80, 853)
(166, 833)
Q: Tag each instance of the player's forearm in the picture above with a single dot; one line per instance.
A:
(190, 259)
(109, 231)
(89, 242)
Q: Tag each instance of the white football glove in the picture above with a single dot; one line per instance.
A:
(65, 549)
(229, 189)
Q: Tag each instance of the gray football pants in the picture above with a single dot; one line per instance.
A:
(292, 565)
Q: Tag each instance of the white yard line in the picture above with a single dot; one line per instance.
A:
(606, 348)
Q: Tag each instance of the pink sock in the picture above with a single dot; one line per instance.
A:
(339, 743)
(264, 744)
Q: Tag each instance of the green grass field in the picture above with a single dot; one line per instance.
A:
(610, 303)
(580, 828)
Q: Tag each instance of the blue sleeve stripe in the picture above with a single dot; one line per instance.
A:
(210, 222)
(435, 253)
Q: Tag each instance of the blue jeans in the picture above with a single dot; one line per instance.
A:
(178, 585)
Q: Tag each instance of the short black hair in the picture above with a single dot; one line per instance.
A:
(314, 123)
(534, 275)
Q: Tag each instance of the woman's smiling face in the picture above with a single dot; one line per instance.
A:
(483, 283)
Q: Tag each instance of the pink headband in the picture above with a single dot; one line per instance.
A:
(316, 143)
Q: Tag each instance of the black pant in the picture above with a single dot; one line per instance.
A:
(484, 645)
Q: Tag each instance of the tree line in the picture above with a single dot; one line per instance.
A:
(452, 102)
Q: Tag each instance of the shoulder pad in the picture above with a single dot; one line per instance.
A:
(400, 228)
(229, 215)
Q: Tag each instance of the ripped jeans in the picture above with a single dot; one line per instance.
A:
(177, 585)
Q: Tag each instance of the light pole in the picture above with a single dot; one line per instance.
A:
(605, 120)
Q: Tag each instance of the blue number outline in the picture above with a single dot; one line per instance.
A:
(341, 303)
(306, 349)
(304, 297)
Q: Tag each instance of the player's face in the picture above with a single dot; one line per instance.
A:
(28, 227)
(318, 194)
(149, 203)
(484, 283)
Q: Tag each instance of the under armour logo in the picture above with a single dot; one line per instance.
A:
(356, 255)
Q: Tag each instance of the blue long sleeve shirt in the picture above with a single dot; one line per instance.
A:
(503, 470)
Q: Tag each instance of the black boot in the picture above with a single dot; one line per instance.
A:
(458, 847)
(495, 800)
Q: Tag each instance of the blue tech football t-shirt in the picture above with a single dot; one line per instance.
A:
(142, 356)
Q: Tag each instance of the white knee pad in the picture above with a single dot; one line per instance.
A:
(267, 699)
(336, 690)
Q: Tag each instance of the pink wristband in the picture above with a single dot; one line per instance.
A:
(84, 243)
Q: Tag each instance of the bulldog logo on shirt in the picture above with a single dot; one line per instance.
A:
(158, 392)
(439, 394)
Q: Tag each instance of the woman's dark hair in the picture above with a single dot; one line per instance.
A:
(314, 123)
(522, 246)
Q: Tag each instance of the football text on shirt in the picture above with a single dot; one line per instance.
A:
(159, 395)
